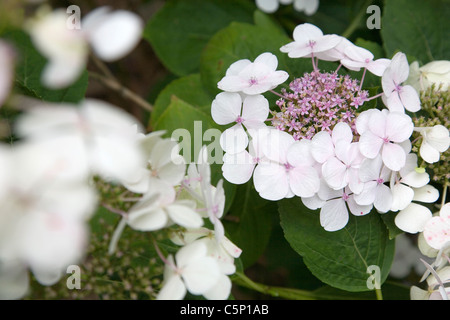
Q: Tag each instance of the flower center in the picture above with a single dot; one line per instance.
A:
(380, 181)
(239, 120)
(252, 81)
(345, 196)
(288, 166)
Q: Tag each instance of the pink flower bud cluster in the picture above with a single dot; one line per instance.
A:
(317, 102)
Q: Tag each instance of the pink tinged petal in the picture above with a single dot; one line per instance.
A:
(184, 216)
(304, 181)
(370, 169)
(255, 108)
(437, 232)
(296, 49)
(383, 198)
(377, 123)
(327, 42)
(362, 121)
(367, 195)
(306, 31)
(271, 181)
(399, 68)
(356, 209)
(354, 183)
(334, 215)
(299, 154)
(378, 66)
(313, 203)
(334, 172)
(238, 168)
(387, 82)
(232, 83)
(370, 145)
(402, 196)
(276, 145)
(236, 67)
(342, 131)
(226, 108)
(394, 103)
(410, 98)
(268, 59)
(322, 146)
(393, 156)
(234, 139)
(173, 289)
(327, 193)
(359, 54)
(428, 194)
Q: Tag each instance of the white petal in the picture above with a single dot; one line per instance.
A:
(399, 127)
(226, 107)
(173, 289)
(334, 215)
(304, 181)
(221, 290)
(184, 216)
(255, 108)
(234, 139)
(238, 168)
(413, 218)
(268, 6)
(306, 31)
(116, 34)
(394, 156)
(410, 98)
(356, 209)
(428, 153)
(383, 199)
(276, 145)
(271, 181)
(153, 219)
(342, 131)
(402, 196)
(313, 203)
(269, 59)
(201, 275)
(378, 66)
(335, 173)
(370, 144)
(427, 193)
(322, 146)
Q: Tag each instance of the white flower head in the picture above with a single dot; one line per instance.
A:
(309, 40)
(249, 113)
(289, 170)
(436, 140)
(254, 77)
(191, 270)
(309, 7)
(383, 132)
(111, 35)
(435, 72)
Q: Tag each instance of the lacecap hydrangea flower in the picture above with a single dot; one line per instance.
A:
(318, 142)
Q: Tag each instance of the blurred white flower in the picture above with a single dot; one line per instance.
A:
(105, 135)
(45, 206)
(309, 7)
(434, 72)
(437, 230)
(110, 34)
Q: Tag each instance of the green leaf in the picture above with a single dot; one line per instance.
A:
(181, 28)
(416, 27)
(341, 258)
(249, 223)
(29, 69)
(188, 89)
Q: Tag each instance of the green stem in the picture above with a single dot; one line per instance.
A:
(279, 292)
(356, 20)
(379, 294)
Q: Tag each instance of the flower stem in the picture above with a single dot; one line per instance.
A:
(114, 85)
(279, 292)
